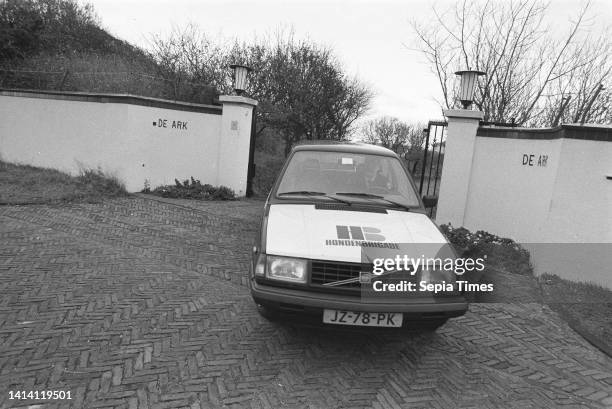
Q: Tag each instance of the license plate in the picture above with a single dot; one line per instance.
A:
(365, 319)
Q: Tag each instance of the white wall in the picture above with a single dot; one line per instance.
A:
(561, 210)
(61, 133)
(161, 154)
(505, 195)
(580, 214)
(569, 200)
(581, 203)
(128, 140)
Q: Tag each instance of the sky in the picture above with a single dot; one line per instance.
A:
(372, 39)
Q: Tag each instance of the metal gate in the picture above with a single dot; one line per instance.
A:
(427, 169)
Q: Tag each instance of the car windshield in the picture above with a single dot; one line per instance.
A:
(350, 176)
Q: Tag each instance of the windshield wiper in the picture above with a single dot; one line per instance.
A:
(303, 192)
(377, 197)
(312, 193)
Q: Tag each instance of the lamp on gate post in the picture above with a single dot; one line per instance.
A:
(468, 82)
(241, 73)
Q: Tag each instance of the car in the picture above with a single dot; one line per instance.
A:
(334, 212)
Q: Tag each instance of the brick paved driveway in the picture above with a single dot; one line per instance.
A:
(137, 303)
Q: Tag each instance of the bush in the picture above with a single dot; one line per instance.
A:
(96, 181)
(501, 253)
(192, 189)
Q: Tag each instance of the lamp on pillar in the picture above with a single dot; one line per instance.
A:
(241, 73)
(468, 82)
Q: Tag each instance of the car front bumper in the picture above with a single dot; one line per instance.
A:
(414, 309)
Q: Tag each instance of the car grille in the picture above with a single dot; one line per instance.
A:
(324, 272)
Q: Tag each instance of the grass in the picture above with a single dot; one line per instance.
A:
(24, 184)
(586, 307)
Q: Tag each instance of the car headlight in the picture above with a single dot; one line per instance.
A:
(286, 269)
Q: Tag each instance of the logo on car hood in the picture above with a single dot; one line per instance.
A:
(359, 233)
(361, 236)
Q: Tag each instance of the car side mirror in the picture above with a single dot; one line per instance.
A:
(430, 201)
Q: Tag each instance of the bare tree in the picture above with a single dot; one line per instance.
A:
(394, 134)
(189, 60)
(531, 77)
(301, 88)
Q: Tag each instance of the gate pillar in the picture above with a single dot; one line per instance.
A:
(235, 144)
(457, 169)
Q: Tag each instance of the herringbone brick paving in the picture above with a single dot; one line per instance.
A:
(136, 303)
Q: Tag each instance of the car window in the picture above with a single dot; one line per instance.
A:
(341, 172)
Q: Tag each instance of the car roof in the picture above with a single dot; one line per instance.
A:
(339, 146)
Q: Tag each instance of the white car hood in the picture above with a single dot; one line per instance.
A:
(302, 231)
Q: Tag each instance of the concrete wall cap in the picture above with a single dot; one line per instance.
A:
(112, 98)
(463, 113)
(237, 99)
